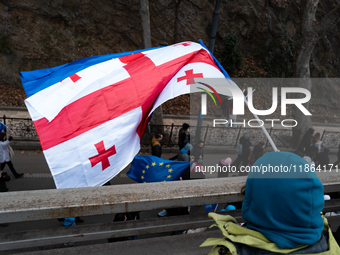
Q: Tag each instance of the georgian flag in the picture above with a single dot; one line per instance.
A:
(91, 114)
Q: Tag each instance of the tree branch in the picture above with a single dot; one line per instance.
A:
(328, 22)
(308, 9)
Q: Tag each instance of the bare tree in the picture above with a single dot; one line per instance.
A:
(310, 32)
(177, 4)
(157, 118)
(145, 19)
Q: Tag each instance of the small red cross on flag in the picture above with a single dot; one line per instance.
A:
(184, 44)
(103, 155)
(190, 77)
(75, 77)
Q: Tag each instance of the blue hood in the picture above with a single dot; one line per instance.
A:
(183, 150)
(284, 207)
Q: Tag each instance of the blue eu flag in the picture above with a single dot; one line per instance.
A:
(149, 168)
(2, 127)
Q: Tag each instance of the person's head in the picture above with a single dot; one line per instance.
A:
(246, 136)
(188, 147)
(159, 136)
(185, 126)
(226, 161)
(326, 150)
(284, 205)
(120, 217)
(261, 145)
(230, 208)
(2, 137)
(316, 138)
(200, 143)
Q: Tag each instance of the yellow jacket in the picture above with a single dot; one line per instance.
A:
(236, 234)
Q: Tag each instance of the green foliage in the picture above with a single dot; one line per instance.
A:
(231, 55)
(4, 44)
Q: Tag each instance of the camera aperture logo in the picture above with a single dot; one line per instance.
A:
(213, 90)
(236, 108)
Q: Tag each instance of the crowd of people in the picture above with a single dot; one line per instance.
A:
(314, 153)
(272, 226)
(191, 150)
(269, 227)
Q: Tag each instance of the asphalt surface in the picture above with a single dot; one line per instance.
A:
(38, 177)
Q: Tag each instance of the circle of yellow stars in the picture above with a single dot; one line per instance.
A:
(153, 165)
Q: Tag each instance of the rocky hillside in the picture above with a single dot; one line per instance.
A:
(256, 38)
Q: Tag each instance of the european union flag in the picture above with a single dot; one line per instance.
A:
(149, 168)
(2, 127)
(210, 208)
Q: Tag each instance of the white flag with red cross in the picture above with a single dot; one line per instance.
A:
(91, 114)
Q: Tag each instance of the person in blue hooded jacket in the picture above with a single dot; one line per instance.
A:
(184, 153)
(282, 211)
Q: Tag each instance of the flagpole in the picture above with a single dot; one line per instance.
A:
(263, 129)
(211, 50)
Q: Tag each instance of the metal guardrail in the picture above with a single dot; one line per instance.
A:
(330, 139)
(24, 130)
(51, 204)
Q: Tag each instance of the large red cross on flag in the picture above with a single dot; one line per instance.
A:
(189, 77)
(91, 123)
(103, 155)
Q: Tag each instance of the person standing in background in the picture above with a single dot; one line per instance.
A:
(306, 141)
(182, 135)
(5, 158)
(243, 155)
(197, 152)
(156, 147)
(316, 141)
(257, 153)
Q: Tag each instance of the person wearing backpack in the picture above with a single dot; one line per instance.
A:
(243, 151)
